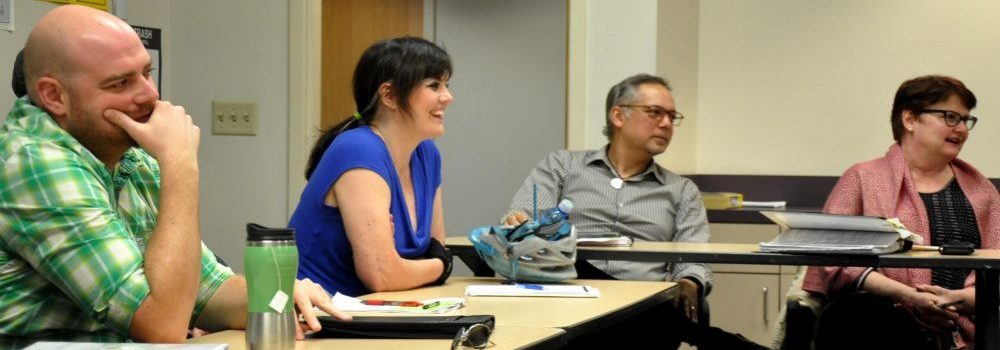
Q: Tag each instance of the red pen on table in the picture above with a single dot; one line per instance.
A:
(391, 302)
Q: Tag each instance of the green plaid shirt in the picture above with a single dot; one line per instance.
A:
(73, 234)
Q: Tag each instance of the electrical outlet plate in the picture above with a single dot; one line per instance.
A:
(234, 118)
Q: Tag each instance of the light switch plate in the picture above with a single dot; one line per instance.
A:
(234, 118)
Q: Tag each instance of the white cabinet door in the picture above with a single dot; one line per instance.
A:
(747, 304)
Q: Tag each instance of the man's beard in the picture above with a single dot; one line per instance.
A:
(96, 136)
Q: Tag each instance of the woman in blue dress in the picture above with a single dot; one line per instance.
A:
(370, 218)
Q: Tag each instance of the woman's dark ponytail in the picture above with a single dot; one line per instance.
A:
(403, 63)
(324, 142)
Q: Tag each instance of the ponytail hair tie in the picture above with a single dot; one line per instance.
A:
(356, 119)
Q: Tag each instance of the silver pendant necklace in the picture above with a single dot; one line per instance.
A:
(617, 183)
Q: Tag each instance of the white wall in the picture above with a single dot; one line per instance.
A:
(797, 87)
(509, 59)
(677, 60)
(611, 40)
(26, 13)
(783, 87)
(235, 50)
(616, 39)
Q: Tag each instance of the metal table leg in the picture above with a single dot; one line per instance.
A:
(987, 309)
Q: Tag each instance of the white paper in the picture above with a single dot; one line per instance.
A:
(759, 204)
(620, 241)
(822, 221)
(532, 290)
(350, 304)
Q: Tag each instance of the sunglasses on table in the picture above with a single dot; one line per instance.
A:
(476, 336)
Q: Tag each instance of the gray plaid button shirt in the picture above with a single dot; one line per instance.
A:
(654, 205)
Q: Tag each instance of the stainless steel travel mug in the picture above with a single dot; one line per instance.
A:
(271, 261)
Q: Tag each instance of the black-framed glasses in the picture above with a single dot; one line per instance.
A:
(476, 336)
(953, 118)
(657, 113)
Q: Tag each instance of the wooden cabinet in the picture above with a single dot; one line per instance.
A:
(746, 298)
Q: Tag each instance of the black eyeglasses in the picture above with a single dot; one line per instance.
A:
(952, 118)
(476, 336)
(656, 113)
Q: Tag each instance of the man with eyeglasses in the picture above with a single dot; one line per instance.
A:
(619, 188)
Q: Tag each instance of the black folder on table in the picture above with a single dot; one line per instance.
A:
(407, 327)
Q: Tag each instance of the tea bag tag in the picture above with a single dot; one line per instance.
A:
(279, 301)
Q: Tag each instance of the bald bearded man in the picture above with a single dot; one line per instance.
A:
(99, 239)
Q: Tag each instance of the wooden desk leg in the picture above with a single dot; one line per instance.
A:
(987, 309)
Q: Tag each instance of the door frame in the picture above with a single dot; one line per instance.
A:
(304, 65)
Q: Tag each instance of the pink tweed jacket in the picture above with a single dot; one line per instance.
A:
(884, 187)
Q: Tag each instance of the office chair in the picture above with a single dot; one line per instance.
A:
(17, 82)
(797, 329)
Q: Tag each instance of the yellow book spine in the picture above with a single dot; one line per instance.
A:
(722, 200)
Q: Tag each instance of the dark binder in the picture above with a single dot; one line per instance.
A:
(407, 327)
